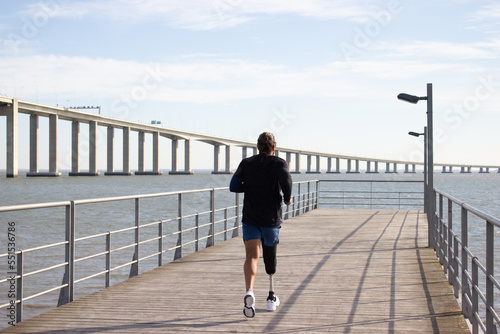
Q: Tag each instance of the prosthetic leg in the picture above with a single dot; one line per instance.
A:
(269, 254)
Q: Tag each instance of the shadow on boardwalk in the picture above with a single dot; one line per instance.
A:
(344, 271)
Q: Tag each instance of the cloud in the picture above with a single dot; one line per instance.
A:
(203, 80)
(442, 50)
(487, 12)
(205, 14)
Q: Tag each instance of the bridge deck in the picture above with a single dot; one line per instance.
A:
(351, 271)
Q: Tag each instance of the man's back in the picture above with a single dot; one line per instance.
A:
(262, 177)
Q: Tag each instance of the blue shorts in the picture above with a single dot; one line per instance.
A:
(270, 236)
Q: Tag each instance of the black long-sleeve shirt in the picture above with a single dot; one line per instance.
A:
(262, 177)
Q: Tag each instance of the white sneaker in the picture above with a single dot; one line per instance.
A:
(273, 304)
(249, 302)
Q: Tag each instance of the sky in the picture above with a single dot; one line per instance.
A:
(322, 75)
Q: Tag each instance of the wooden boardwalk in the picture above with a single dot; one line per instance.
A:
(344, 271)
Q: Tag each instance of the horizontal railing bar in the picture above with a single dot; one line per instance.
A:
(149, 240)
(375, 181)
(123, 230)
(122, 265)
(150, 255)
(123, 198)
(33, 206)
(123, 247)
(45, 269)
(44, 292)
(45, 247)
(90, 256)
(91, 276)
(92, 236)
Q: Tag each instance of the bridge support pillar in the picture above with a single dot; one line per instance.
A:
(12, 139)
(216, 160)
(297, 164)
(75, 150)
(349, 166)
(447, 169)
(111, 136)
(141, 145)
(484, 169)
(187, 158)
(126, 151)
(465, 169)
(318, 167)
(53, 128)
(93, 149)
(75, 145)
(337, 165)
(369, 167)
(110, 170)
(408, 169)
(388, 167)
(156, 153)
(34, 130)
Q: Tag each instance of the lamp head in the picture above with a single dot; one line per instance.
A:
(408, 98)
(415, 134)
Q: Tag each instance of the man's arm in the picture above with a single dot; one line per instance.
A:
(285, 180)
(236, 185)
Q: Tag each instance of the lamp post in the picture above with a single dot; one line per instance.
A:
(416, 134)
(429, 189)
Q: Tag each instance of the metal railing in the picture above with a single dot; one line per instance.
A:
(220, 222)
(366, 194)
(469, 265)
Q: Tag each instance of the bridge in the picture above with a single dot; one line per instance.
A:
(11, 107)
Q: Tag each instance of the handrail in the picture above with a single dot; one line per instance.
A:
(222, 223)
(470, 273)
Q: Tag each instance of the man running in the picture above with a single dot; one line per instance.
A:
(261, 178)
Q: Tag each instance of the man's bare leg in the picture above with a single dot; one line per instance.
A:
(252, 249)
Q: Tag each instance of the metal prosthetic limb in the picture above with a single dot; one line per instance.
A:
(269, 254)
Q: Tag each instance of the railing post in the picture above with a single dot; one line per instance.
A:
(19, 288)
(298, 202)
(178, 250)
(317, 194)
(108, 259)
(449, 249)
(160, 244)
(237, 213)
(439, 230)
(308, 196)
(490, 265)
(211, 233)
(66, 294)
(225, 224)
(466, 293)
(475, 296)
(197, 232)
(134, 268)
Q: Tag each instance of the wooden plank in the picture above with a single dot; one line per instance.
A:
(338, 270)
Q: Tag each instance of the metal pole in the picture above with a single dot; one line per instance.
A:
(430, 161)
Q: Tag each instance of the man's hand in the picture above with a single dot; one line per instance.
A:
(288, 203)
